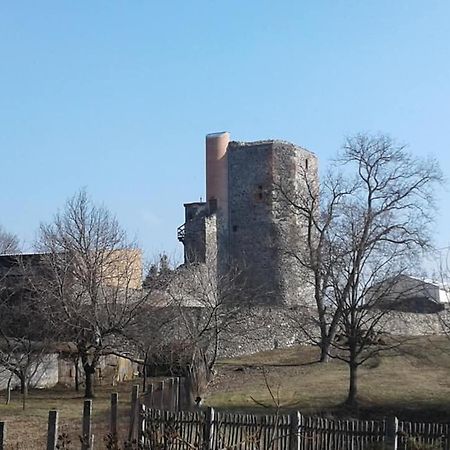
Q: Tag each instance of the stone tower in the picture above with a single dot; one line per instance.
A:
(243, 223)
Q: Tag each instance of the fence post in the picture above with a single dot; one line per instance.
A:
(52, 430)
(113, 419)
(294, 438)
(87, 425)
(2, 435)
(142, 425)
(171, 400)
(161, 400)
(391, 433)
(208, 429)
(150, 395)
(177, 393)
(133, 412)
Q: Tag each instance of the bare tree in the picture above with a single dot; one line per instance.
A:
(9, 242)
(385, 233)
(213, 310)
(24, 344)
(318, 207)
(23, 358)
(369, 221)
(152, 334)
(91, 286)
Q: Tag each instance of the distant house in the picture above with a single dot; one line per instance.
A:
(117, 263)
(411, 294)
(57, 364)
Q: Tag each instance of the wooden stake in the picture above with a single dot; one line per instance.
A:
(52, 430)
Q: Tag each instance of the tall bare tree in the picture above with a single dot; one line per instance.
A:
(369, 220)
(318, 207)
(92, 284)
(213, 311)
(385, 233)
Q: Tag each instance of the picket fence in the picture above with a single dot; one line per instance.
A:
(211, 430)
(156, 422)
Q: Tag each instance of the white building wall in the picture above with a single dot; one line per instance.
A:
(45, 374)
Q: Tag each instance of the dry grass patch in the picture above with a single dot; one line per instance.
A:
(28, 429)
(413, 379)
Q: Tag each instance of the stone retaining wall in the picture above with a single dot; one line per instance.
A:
(266, 328)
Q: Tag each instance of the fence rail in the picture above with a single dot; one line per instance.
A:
(211, 430)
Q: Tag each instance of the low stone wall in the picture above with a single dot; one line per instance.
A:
(267, 328)
(415, 324)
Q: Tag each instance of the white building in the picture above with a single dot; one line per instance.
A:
(409, 293)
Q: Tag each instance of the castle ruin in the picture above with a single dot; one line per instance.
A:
(243, 223)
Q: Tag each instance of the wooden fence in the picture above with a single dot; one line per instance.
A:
(172, 429)
(168, 394)
(431, 434)
(211, 430)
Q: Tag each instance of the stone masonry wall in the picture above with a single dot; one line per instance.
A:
(195, 232)
(267, 328)
(251, 246)
(290, 166)
(260, 228)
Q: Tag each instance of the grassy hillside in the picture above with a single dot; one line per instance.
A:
(412, 381)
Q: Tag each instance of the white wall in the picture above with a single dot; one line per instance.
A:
(45, 374)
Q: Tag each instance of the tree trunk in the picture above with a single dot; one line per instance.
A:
(198, 379)
(324, 356)
(324, 350)
(144, 376)
(89, 373)
(22, 384)
(24, 391)
(353, 386)
(77, 379)
(77, 374)
(327, 334)
(8, 391)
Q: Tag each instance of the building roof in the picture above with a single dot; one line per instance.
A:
(440, 284)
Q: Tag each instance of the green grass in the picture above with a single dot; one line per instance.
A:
(412, 381)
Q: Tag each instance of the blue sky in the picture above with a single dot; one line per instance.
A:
(117, 96)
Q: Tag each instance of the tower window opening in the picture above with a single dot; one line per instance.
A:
(260, 192)
(306, 163)
(235, 227)
(212, 205)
